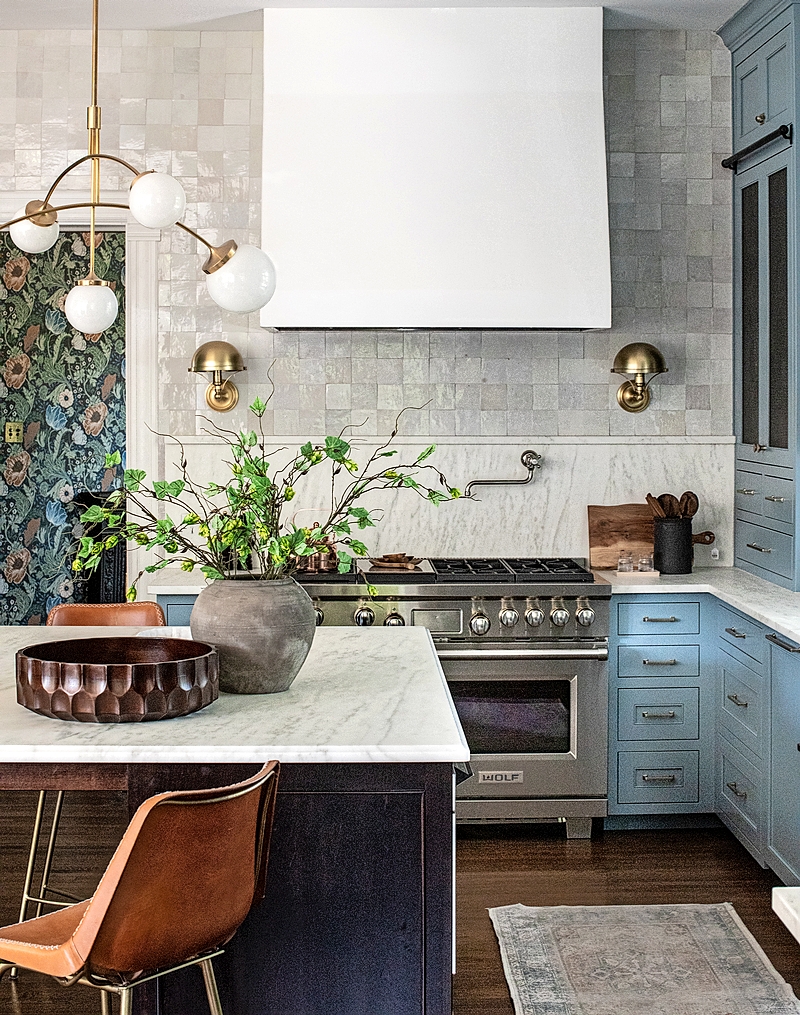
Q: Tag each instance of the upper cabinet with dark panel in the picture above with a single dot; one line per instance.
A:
(763, 38)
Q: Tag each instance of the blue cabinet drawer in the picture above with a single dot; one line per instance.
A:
(658, 660)
(663, 713)
(658, 617)
(742, 706)
(740, 790)
(177, 609)
(668, 777)
(748, 492)
(774, 551)
(777, 498)
(741, 636)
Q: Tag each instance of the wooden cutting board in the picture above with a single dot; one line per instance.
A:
(617, 527)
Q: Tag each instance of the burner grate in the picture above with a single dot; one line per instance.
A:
(548, 568)
(471, 569)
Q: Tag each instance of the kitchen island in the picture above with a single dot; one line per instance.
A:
(358, 913)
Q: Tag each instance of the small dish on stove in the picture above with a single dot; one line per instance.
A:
(396, 561)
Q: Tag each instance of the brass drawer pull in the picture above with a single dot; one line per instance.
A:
(781, 644)
(660, 620)
(737, 700)
(776, 500)
(761, 549)
(761, 117)
(659, 715)
(735, 633)
(747, 493)
(735, 789)
(658, 778)
(659, 662)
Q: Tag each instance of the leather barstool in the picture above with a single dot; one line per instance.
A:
(187, 872)
(74, 615)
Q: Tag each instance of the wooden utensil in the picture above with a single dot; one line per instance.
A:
(655, 507)
(706, 538)
(671, 505)
(689, 504)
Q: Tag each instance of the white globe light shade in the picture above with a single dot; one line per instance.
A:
(91, 308)
(244, 283)
(157, 200)
(30, 237)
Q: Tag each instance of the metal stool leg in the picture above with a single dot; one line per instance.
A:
(105, 1003)
(26, 891)
(51, 845)
(214, 1003)
(126, 1001)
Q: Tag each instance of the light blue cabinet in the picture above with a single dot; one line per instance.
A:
(661, 687)
(783, 840)
(764, 41)
(177, 609)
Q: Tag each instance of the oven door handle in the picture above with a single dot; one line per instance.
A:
(523, 653)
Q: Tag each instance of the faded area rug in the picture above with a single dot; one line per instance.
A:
(636, 960)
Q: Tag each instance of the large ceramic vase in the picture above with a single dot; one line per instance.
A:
(262, 631)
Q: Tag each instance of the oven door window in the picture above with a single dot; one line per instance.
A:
(514, 716)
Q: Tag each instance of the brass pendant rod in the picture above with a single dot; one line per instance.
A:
(80, 161)
(197, 236)
(65, 207)
(95, 47)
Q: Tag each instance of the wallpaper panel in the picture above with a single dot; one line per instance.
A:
(67, 390)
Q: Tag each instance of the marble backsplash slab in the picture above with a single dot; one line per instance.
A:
(545, 518)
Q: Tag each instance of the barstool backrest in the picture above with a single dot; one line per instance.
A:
(144, 614)
(185, 875)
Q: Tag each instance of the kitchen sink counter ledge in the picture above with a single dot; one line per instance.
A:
(775, 607)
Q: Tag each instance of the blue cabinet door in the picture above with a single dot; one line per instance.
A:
(784, 816)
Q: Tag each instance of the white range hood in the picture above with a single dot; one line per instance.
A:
(435, 168)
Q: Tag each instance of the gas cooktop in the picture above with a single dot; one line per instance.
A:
(509, 569)
(463, 571)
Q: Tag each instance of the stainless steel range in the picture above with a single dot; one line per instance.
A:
(524, 647)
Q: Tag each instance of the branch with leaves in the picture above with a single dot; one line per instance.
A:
(241, 526)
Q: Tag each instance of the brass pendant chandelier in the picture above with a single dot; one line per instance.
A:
(240, 278)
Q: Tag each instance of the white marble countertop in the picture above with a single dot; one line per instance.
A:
(786, 903)
(363, 695)
(762, 600)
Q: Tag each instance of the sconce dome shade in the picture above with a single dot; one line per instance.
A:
(157, 200)
(91, 308)
(217, 356)
(639, 358)
(245, 282)
(30, 237)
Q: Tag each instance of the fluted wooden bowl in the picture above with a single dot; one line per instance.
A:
(117, 679)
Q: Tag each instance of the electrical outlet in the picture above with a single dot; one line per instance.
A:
(714, 553)
(14, 433)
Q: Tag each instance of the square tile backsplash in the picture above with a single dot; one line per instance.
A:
(190, 103)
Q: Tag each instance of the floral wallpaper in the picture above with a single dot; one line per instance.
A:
(67, 390)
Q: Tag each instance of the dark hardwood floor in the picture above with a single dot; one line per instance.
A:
(497, 866)
(536, 866)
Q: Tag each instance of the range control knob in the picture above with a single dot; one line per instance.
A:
(319, 615)
(534, 616)
(479, 624)
(559, 617)
(509, 617)
(364, 616)
(585, 616)
(394, 620)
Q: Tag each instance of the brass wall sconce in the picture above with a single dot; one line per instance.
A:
(217, 358)
(639, 359)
